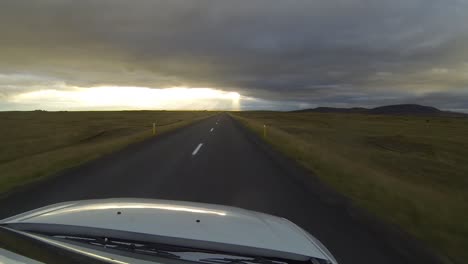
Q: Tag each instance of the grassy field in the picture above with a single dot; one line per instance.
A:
(410, 171)
(37, 144)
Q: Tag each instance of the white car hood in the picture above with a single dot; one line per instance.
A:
(186, 220)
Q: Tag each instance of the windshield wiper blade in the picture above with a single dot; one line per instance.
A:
(174, 252)
(241, 261)
(223, 261)
(118, 244)
(258, 260)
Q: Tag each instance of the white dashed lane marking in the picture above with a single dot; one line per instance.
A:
(197, 149)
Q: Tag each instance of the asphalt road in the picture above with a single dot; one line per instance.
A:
(213, 161)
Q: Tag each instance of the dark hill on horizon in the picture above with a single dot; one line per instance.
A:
(400, 109)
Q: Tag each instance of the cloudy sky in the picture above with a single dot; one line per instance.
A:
(222, 54)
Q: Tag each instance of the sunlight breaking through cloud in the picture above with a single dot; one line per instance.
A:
(109, 98)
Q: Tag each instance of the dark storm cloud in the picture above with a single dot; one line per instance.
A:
(305, 51)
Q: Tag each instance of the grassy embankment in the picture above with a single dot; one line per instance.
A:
(410, 171)
(35, 145)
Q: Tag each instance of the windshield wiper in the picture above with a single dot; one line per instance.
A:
(258, 260)
(241, 261)
(175, 252)
(135, 247)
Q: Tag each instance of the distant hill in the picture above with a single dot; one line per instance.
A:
(405, 109)
(401, 109)
(335, 110)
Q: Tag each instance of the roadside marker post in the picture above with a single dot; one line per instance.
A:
(154, 129)
(264, 131)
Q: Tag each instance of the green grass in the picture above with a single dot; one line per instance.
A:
(410, 171)
(35, 145)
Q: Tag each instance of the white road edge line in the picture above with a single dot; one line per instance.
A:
(197, 149)
(211, 130)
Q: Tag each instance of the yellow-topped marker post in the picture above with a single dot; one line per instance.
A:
(154, 128)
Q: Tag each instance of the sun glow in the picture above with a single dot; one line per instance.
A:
(109, 97)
